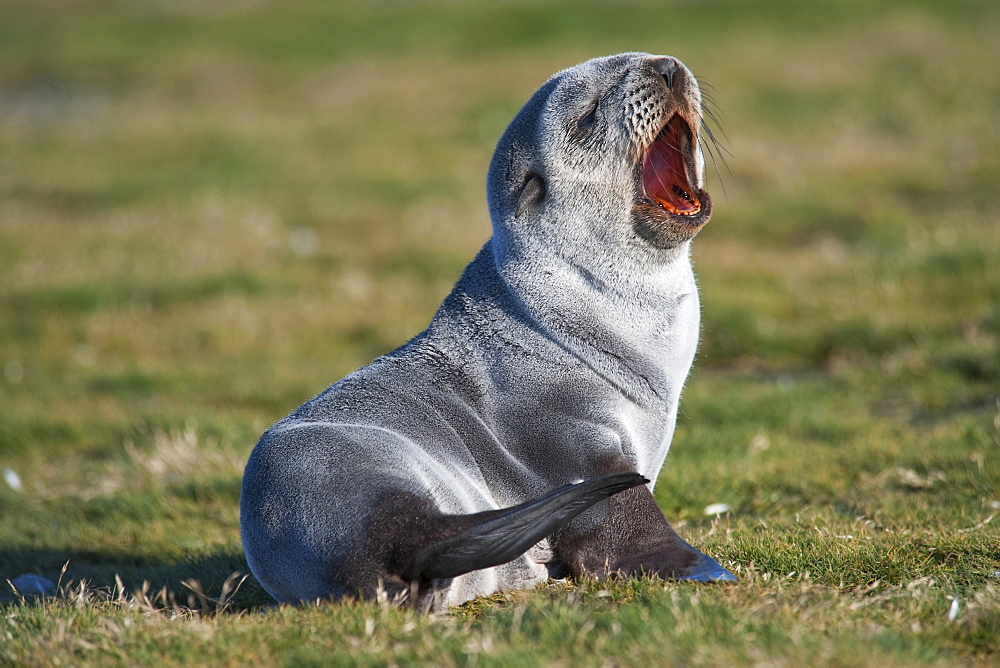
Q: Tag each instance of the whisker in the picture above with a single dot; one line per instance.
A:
(715, 163)
(716, 149)
(717, 155)
(719, 147)
(709, 95)
(702, 83)
(711, 115)
(718, 144)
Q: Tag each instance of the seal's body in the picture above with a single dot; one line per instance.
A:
(559, 357)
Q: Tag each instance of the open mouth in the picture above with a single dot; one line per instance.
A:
(665, 170)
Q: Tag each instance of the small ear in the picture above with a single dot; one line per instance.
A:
(532, 193)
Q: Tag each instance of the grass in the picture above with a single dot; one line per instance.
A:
(210, 212)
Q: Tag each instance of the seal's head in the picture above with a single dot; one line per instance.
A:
(605, 155)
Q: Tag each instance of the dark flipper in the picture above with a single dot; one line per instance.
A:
(707, 569)
(636, 539)
(502, 535)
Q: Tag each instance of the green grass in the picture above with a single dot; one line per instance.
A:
(210, 212)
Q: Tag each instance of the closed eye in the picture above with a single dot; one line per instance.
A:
(588, 119)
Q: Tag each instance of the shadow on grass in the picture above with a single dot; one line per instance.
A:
(182, 582)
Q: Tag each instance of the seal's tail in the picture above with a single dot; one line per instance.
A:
(498, 536)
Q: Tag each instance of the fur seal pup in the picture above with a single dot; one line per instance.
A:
(451, 467)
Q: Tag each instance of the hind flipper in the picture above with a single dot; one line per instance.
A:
(502, 535)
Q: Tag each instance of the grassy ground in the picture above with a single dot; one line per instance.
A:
(209, 212)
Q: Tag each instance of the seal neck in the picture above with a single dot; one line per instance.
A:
(636, 327)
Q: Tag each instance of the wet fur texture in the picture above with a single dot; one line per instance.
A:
(559, 356)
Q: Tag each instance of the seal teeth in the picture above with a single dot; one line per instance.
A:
(683, 194)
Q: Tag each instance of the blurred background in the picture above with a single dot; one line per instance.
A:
(210, 211)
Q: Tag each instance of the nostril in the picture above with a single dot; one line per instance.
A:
(667, 67)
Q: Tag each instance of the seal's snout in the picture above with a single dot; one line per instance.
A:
(667, 67)
(670, 205)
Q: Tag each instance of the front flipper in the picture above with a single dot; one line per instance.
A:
(635, 539)
(706, 569)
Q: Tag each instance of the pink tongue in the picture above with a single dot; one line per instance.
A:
(663, 174)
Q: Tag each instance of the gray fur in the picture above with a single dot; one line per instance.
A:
(559, 355)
